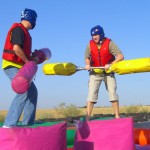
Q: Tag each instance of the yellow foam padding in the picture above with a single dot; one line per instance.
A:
(65, 69)
(131, 66)
(100, 71)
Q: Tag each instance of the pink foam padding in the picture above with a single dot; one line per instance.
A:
(47, 52)
(21, 82)
(115, 134)
(139, 147)
(40, 138)
(42, 54)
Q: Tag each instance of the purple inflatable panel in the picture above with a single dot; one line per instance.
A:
(139, 147)
(21, 82)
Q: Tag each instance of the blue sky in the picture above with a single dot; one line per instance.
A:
(64, 27)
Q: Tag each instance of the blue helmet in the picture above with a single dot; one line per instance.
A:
(29, 15)
(98, 30)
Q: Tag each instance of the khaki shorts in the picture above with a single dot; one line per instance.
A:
(94, 86)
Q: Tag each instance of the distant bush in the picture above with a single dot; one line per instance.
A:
(67, 111)
(45, 115)
(144, 110)
(2, 118)
(132, 109)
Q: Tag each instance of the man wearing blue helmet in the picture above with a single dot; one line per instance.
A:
(16, 53)
(101, 52)
(29, 15)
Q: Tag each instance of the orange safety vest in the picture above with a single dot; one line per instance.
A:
(8, 53)
(102, 56)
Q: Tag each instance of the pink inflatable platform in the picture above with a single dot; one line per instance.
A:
(39, 138)
(115, 134)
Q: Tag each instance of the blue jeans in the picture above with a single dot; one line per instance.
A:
(25, 103)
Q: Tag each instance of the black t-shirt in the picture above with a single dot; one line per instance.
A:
(17, 37)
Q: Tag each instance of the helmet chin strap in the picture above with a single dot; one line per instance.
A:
(100, 42)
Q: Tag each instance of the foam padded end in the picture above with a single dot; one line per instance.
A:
(20, 84)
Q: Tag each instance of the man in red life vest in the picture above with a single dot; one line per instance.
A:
(101, 51)
(17, 50)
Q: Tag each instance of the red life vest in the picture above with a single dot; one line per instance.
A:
(102, 56)
(8, 53)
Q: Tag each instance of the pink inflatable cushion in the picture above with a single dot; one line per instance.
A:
(21, 82)
(115, 134)
(40, 138)
(42, 54)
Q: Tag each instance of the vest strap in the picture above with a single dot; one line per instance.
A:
(9, 51)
